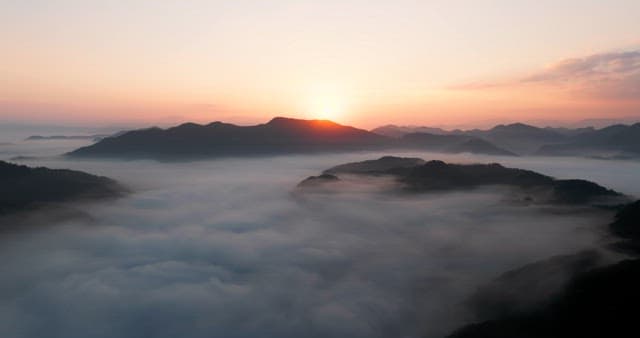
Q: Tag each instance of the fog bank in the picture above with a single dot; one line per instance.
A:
(224, 249)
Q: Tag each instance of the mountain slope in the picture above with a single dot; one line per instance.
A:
(22, 187)
(596, 302)
(278, 136)
(519, 137)
(451, 144)
(417, 176)
(391, 130)
(616, 140)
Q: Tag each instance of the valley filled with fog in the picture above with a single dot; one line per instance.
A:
(228, 248)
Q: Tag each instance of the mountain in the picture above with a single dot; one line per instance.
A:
(597, 301)
(627, 226)
(392, 130)
(570, 131)
(516, 138)
(417, 176)
(529, 287)
(64, 137)
(479, 146)
(295, 136)
(278, 136)
(95, 138)
(454, 144)
(380, 165)
(612, 141)
(602, 302)
(22, 187)
(519, 137)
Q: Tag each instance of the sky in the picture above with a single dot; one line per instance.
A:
(364, 63)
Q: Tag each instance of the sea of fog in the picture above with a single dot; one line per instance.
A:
(225, 248)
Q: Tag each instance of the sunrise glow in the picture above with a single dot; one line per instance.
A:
(358, 62)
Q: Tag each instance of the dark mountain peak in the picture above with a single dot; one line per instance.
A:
(376, 166)
(186, 127)
(418, 176)
(189, 125)
(315, 181)
(480, 146)
(297, 123)
(615, 141)
(518, 126)
(279, 120)
(25, 187)
(281, 135)
(435, 163)
(216, 124)
(392, 130)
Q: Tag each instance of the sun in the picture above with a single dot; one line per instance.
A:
(328, 112)
(327, 107)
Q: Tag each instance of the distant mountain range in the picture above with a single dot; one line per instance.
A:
(295, 136)
(278, 136)
(23, 187)
(64, 137)
(451, 144)
(610, 142)
(95, 138)
(391, 130)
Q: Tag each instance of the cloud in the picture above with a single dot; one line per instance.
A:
(614, 75)
(223, 249)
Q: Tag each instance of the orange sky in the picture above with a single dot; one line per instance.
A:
(358, 62)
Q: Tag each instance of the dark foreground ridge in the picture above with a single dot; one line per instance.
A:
(416, 175)
(600, 303)
(24, 188)
(597, 301)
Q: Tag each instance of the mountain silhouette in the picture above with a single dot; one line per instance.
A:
(515, 138)
(518, 137)
(278, 136)
(615, 141)
(417, 176)
(23, 187)
(391, 130)
(451, 144)
(612, 141)
(597, 301)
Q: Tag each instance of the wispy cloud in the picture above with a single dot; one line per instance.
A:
(613, 75)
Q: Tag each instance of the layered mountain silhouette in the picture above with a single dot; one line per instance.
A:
(65, 137)
(295, 136)
(451, 144)
(391, 130)
(23, 188)
(278, 136)
(614, 141)
(415, 175)
(596, 301)
(610, 142)
(518, 138)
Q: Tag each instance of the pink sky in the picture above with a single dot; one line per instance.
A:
(357, 62)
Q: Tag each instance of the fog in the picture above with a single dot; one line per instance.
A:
(223, 248)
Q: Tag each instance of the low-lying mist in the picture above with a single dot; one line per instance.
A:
(223, 248)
